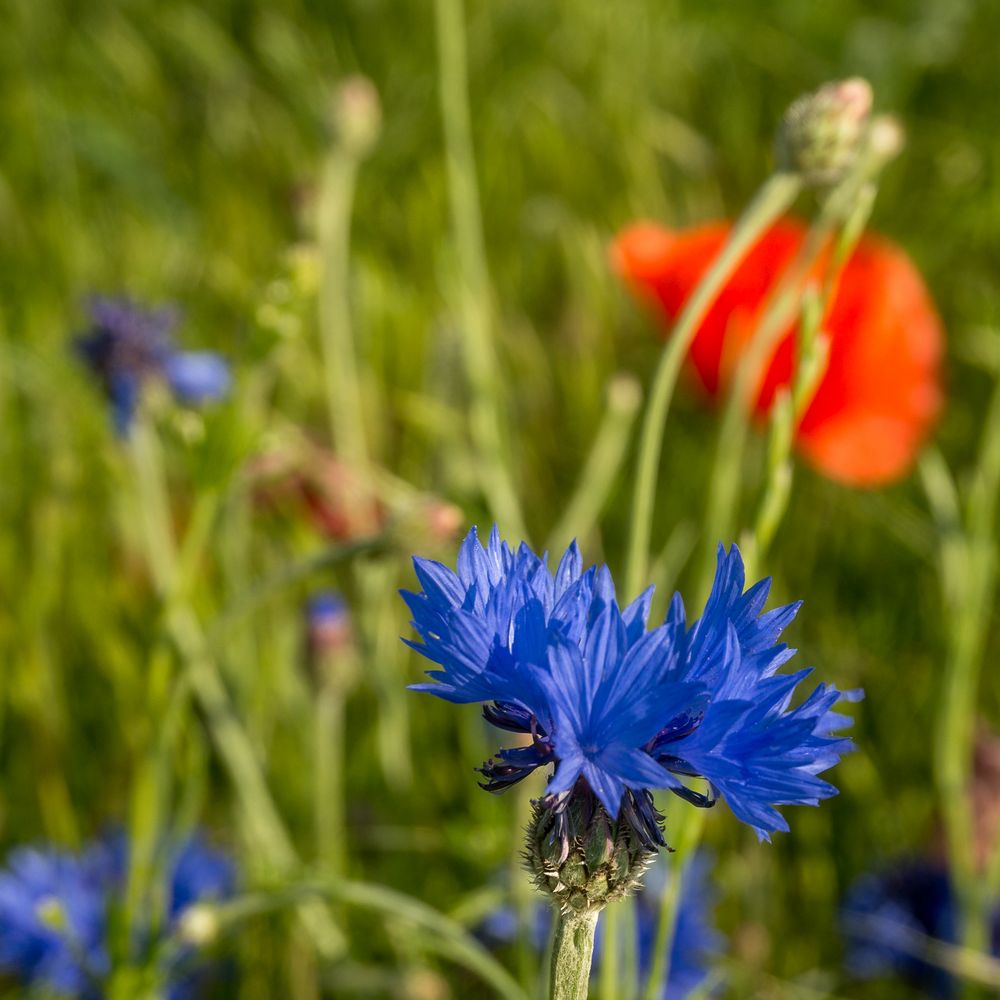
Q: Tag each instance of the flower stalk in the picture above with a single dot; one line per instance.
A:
(572, 954)
(774, 198)
(474, 293)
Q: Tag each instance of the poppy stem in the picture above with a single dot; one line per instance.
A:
(774, 198)
(968, 572)
(846, 210)
(572, 954)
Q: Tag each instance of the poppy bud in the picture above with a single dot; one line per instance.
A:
(822, 133)
(357, 116)
(581, 858)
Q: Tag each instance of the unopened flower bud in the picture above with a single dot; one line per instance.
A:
(357, 115)
(199, 925)
(822, 133)
(329, 638)
(581, 858)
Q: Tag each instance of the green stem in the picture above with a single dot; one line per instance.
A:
(847, 207)
(572, 954)
(686, 843)
(343, 389)
(329, 791)
(449, 938)
(172, 578)
(263, 820)
(777, 194)
(474, 294)
(969, 575)
(603, 464)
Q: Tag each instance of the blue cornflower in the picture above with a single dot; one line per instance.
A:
(56, 910)
(620, 709)
(53, 922)
(127, 344)
(889, 916)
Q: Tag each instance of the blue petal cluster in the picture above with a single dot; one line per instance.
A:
(127, 344)
(618, 708)
(56, 909)
(888, 917)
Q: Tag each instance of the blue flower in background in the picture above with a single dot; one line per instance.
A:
(56, 908)
(696, 942)
(53, 921)
(127, 344)
(198, 873)
(620, 709)
(888, 917)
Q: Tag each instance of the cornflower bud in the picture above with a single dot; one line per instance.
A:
(580, 857)
(823, 133)
(357, 116)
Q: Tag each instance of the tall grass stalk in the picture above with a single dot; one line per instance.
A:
(603, 463)
(181, 626)
(475, 299)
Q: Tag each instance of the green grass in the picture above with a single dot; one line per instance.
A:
(174, 151)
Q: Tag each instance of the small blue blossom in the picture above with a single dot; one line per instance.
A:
(56, 909)
(127, 344)
(620, 709)
(53, 922)
(889, 916)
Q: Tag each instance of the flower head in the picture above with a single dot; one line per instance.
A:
(881, 390)
(617, 708)
(890, 917)
(822, 133)
(53, 921)
(56, 910)
(126, 345)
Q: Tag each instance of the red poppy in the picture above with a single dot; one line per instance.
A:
(881, 390)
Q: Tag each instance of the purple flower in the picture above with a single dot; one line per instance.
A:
(127, 344)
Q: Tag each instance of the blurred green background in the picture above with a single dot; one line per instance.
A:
(172, 151)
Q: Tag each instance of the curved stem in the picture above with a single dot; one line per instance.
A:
(848, 207)
(777, 194)
(449, 938)
(572, 954)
